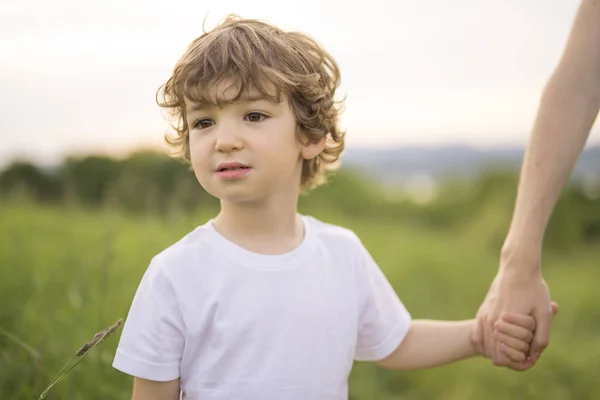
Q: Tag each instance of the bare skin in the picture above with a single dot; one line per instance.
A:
(568, 109)
(144, 389)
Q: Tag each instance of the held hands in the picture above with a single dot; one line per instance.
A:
(515, 332)
(520, 293)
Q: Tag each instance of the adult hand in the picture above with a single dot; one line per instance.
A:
(517, 291)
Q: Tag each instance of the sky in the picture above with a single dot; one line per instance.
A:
(81, 76)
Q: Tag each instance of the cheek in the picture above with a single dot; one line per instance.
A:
(280, 149)
(284, 138)
(198, 153)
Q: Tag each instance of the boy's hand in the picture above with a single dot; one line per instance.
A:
(515, 333)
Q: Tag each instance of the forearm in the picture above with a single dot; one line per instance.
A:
(567, 111)
(432, 343)
(566, 115)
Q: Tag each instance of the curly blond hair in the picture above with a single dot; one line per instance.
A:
(251, 54)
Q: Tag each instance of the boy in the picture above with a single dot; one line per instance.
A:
(261, 302)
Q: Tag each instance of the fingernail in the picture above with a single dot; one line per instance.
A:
(535, 356)
(496, 334)
(528, 363)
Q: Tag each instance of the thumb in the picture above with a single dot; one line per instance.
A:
(554, 307)
(541, 337)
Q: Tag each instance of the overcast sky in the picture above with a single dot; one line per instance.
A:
(82, 75)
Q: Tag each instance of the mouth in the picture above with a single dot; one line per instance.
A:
(232, 171)
(231, 168)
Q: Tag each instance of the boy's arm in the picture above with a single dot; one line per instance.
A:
(432, 343)
(144, 389)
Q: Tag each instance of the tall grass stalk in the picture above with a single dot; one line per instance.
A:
(81, 353)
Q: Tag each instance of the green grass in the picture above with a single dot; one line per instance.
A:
(66, 274)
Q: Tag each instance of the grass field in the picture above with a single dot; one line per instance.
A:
(67, 273)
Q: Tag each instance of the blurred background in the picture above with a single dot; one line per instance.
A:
(441, 97)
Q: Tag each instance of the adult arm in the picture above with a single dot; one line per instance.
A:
(567, 111)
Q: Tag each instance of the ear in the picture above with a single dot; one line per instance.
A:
(313, 148)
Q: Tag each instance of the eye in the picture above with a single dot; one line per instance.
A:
(203, 123)
(256, 117)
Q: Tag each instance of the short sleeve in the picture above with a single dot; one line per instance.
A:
(152, 341)
(383, 320)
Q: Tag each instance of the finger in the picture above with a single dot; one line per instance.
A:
(514, 355)
(491, 344)
(512, 342)
(521, 366)
(497, 356)
(554, 306)
(541, 336)
(515, 331)
(528, 363)
(522, 320)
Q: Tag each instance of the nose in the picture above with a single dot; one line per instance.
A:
(228, 137)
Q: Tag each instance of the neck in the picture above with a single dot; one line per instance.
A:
(270, 226)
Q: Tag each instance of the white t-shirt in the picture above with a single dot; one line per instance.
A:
(232, 324)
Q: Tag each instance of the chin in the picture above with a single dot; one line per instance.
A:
(235, 196)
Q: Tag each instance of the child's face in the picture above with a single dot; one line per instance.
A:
(247, 150)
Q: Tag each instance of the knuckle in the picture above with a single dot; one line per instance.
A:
(499, 326)
(529, 337)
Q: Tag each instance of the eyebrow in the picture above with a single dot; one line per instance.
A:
(244, 98)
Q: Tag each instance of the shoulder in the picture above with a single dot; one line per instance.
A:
(333, 235)
(190, 251)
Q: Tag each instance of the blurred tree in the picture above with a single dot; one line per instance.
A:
(345, 192)
(148, 181)
(152, 181)
(88, 180)
(22, 177)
